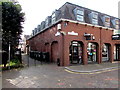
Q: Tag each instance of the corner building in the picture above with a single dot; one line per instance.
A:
(77, 35)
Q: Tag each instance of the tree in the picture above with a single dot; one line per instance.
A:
(12, 19)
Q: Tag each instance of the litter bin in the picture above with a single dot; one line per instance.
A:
(58, 62)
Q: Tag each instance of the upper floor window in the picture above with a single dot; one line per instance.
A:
(116, 23)
(94, 18)
(80, 14)
(53, 18)
(46, 22)
(95, 21)
(107, 21)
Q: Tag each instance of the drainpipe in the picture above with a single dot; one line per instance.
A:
(62, 49)
(100, 58)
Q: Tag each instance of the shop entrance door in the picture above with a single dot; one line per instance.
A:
(105, 52)
(92, 52)
(117, 52)
(75, 53)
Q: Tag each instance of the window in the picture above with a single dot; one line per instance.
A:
(94, 17)
(80, 14)
(80, 18)
(53, 18)
(116, 23)
(46, 22)
(94, 21)
(107, 21)
(65, 24)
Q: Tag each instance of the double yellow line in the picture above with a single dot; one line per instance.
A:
(91, 72)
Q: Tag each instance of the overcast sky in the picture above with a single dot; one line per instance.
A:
(37, 10)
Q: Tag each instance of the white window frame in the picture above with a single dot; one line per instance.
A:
(94, 15)
(107, 23)
(46, 22)
(53, 18)
(80, 14)
(117, 24)
(94, 18)
(80, 18)
(95, 21)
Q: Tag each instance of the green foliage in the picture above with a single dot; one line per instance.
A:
(12, 19)
(14, 62)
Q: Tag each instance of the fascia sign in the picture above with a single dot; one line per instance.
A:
(73, 33)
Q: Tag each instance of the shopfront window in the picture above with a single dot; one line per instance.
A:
(105, 52)
(75, 52)
(92, 52)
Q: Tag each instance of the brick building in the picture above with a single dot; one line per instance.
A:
(75, 34)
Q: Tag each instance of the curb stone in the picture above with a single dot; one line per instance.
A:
(92, 71)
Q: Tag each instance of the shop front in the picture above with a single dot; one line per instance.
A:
(76, 49)
(92, 52)
(117, 52)
(105, 52)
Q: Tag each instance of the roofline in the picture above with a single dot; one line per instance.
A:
(72, 21)
(88, 9)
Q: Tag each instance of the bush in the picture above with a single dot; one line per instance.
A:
(14, 62)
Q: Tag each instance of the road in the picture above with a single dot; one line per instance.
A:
(52, 76)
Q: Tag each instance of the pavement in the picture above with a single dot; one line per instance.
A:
(49, 75)
(77, 68)
(94, 68)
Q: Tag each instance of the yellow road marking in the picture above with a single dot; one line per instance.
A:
(91, 73)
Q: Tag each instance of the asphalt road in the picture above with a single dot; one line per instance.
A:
(52, 76)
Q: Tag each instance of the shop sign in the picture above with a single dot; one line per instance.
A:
(73, 33)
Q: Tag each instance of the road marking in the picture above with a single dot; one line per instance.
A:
(90, 73)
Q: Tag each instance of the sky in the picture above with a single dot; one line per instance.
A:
(36, 11)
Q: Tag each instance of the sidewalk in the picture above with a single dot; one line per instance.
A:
(91, 68)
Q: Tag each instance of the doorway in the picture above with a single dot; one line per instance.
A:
(76, 56)
(117, 52)
(92, 52)
(54, 51)
(105, 52)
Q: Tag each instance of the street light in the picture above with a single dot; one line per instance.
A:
(9, 49)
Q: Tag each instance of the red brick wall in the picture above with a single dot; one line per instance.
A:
(44, 41)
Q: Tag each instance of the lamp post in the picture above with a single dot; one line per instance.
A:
(9, 56)
(27, 46)
(9, 49)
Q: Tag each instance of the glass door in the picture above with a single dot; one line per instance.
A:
(75, 53)
(117, 52)
(92, 52)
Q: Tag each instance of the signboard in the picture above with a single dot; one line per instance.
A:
(73, 33)
(116, 37)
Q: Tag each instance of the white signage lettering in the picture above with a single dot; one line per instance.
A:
(72, 33)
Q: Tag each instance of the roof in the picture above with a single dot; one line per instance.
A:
(67, 12)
